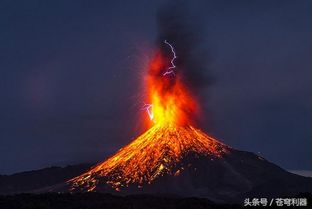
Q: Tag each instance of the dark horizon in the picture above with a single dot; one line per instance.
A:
(71, 78)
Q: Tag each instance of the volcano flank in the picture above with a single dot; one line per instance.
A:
(185, 161)
(156, 153)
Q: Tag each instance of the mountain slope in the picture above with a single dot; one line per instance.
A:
(157, 152)
(37, 179)
(185, 161)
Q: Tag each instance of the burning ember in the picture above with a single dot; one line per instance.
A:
(171, 137)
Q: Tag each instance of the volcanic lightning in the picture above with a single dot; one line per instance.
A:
(170, 69)
(160, 150)
(149, 110)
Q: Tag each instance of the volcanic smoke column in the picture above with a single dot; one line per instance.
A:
(178, 74)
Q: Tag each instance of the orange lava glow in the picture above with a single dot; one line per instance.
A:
(159, 150)
(155, 153)
(171, 101)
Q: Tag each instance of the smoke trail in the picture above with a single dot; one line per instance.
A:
(183, 31)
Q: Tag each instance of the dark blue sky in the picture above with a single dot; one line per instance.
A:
(70, 74)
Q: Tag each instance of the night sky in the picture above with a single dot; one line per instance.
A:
(71, 74)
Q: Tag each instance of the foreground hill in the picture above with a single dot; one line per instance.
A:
(94, 200)
(32, 180)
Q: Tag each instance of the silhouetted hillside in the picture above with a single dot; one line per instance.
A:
(37, 179)
(94, 200)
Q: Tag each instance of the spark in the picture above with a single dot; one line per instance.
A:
(170, 69)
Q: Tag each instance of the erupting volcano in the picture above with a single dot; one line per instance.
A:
(174, 156)
(160, 150)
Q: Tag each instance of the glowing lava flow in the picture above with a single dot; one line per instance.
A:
(155, 153)
(160, 150)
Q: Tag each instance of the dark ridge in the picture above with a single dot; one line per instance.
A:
(94, 200)
(37, 179)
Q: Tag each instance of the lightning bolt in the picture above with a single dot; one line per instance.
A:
(170, 70)
(149, 110)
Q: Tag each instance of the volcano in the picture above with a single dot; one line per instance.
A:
(185, 161)
(158, 152)
(174, 157)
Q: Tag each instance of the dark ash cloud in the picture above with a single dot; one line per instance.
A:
(183, 30)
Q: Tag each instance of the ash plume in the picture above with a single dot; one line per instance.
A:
(179, 27)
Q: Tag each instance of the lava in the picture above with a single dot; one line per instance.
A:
(155, 153)
(171, 137)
